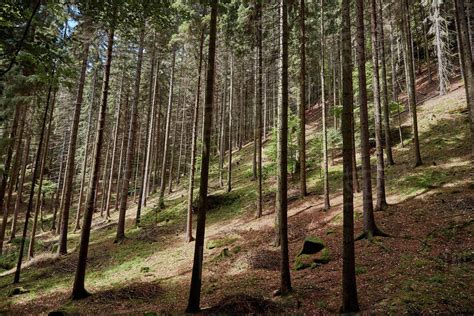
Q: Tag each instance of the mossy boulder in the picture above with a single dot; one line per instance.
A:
(313, 253)
(311, 245)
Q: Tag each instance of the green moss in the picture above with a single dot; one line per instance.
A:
(218, 243)
(360, 270)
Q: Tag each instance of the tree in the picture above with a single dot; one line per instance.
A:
(167, 131)
(467, 62)
(327, 203)
(384, 86)
(410, 76)
(258, 106)
(70, 166)
(282, 152)
(349, 288)
(189, 220)
(132, 135)
(381, 203)
(195, 291)
(16, 278)
(78, 290)
(302, 102)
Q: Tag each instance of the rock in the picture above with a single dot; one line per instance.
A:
(312, 261)
(17, 291)
(311, 245)
(276, 293)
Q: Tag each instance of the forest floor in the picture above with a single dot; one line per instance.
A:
(426, 266)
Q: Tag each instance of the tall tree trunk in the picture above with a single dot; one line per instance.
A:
(131, 142)
(40, 182)
(384, 86)
(282, 152)
(167, 132)
(86, 155)
(302, 102)
(222, 130)
(467, 64)
(189, 220)
(78, 289)
(115, 146)
(394, 75)
(181, 135)
(6, 173)
(149, 129)
(349, 288)
(173, 146)
(19, 193)
(59, 187)
(16, 278)
(381, 203)
(410, 75)
(124, 142)
(258, 107)
(68, 191)
(370, 228)
(231, 102)
(327, 203)
(195, 291)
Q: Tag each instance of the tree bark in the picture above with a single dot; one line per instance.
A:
(131, 142)
(282, 153)
(16, 278)
(381, 203)
(6, 174)
(40, 182)
(327, 203)
(384, 86)
(468, 64)
(349, 288)
(410, 75)
(302, 102)
(195, 291)
(189, 219)
(70, 167)
(167, 132)
(231, 102)
(78, 289)
(86, 154)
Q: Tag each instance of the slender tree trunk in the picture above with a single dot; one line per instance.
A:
(222, 130)
(167, 133)
(86, 155)
(16, 278)
(231, 102)
(282, 152)
(195, 291)
(302, 102)
(394, 66)
(78, 289)
(189, 220)
(6, 174)
(258, 108)
(44, 157)
(327, 203)
(467, 64)
(381, 203)
(183, 118)
(173, 146)
(149, 129)
(70, 167)
(384, 86)
(19, 197)
(124, 142)
(114, 146)
(59, 188)
(410, 75)
(349, 288)
(370, 228)
(131, 142)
